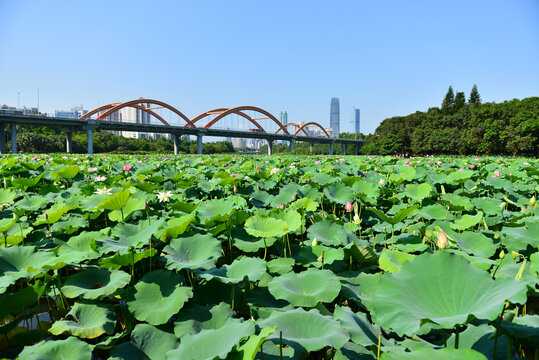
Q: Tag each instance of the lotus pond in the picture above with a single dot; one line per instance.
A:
(289, 257)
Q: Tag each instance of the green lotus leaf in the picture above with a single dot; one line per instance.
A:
(90, 321)
(266, 227)
(249, 350)
(285, 196)
(281, 265)
(247, 243)
(129, 236)
(534, 267)
(15, 302)
(305, 203)
(213, 343)
(474, 242)
(306, 288)
(260, 198)
(309, 329)
(70, 348)
(312, 255)
(519, 238)
(523, 327)
(366, 189)
(6, 223)
(24, 183)
(361, 330)
(176, 226)
(427, 353)
(292, 219)
(158, 296)
(339, 193)
(431, 287)
(395, 219)
(418, 192)
(80, 247)
(218, 210)
(132, 205)
(117, 261)
(32, 203)
(54, 214)
(392, 260)
(352, 351)
(7, 196)
(93, 283)
(435, 211)
(192, 252)
(68, 172)
(328, 233)
(195, 318)
(459, 176)
(116, 201)
(147, 342)
(467, 221)
(246, 267)
(18, 262)
(481, 339)
(404, 173)
(457, 202)
(488, 206)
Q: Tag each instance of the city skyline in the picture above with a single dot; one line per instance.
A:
(403, 59)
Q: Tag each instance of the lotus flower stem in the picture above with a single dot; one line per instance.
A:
(233, 287)
(281, 345)
(457, 333)
(379, 343)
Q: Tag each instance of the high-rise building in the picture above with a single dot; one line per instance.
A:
(74, 113)
(356, 120)
(334, 116)
(284, 117)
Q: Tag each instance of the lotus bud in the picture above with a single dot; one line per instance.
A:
(315, 242)
(502, 254)
(321, 257)
(294, 197)
(514, 254)
(145, 205)
(503, 205)
(355, 208)
(532, 200)
(496, 236)
(282, 206)
(442, 240)
(46, 216)
(348, 207)
(357, 220)
(235, 189)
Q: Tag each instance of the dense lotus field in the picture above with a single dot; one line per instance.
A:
(234, 257)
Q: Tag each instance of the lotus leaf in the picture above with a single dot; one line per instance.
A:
(266, 227)
(192, 252)
(339, 193)
(90, 321)
(20, 262)
(436, 288)
(328, 233)
(222, 340)
(426, 353)
(158, 296)
(70, 348)
(397, 218)
(392, 260)
(306, 288)
(481, 339)
(281, 265)
(308, 329)
(147, 342)
(177, 226)
(116, 201)
(418, 192)
(361, 331)
(467, 221)
(93, 283)
(246, 267)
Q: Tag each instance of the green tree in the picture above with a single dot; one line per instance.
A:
(475, 98)
(449, 101)
(460, 100)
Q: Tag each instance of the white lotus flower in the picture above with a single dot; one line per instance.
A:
(274, 171)
(163, 196)
(100, 178)
(103, 191)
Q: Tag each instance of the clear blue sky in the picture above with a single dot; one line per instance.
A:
(386, 57)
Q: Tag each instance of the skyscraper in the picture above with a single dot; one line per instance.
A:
(356, 120)
(334, 116)
(284, 117)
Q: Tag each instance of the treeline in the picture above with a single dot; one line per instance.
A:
(462, 127)
(47, 140)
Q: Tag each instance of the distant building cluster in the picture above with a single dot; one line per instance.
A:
(75, 113)
(12, 110)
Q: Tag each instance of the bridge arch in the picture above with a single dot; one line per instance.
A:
(249, 108)
(222, 110)
(292, 124)
(312, 124)
(111, 108)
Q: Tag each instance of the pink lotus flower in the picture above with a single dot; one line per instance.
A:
(438, 162)
(497, 173)
(461, 169)
(127, 167)
(348, 207)
(317, 162)
(202, 161)
(166, 159)
(472, 166)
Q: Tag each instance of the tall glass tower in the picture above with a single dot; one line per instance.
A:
(334, 116)
(356, 120)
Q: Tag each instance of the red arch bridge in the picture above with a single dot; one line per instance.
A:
(103, 118)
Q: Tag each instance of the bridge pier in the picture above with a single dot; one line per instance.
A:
(13, 129)
(270, 147)
(2, 139)
(311, 148)
(90, 137)
(331, 148)
(69, 142)
(176, 140)
(292, 141)
(199, 144)
(356, 150)
(343, 149)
